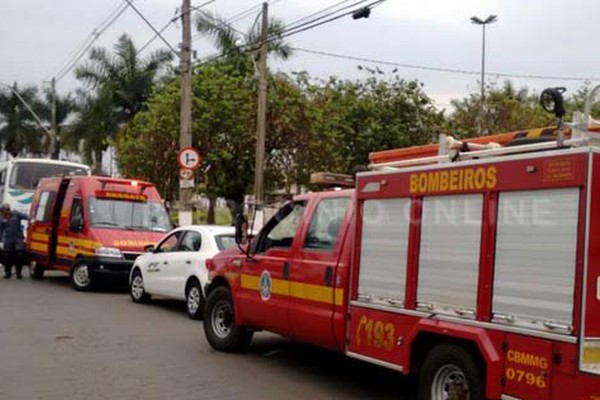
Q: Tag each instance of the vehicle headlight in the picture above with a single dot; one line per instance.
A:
(108, 252)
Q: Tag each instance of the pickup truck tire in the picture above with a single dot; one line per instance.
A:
(136, 288)
(194, 300)
(450, 372)
(81, 279)
(219, 323)
(36, 271)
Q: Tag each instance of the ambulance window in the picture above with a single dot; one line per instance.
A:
(77, 214)
(169, 244)
(325, 224)
(281, 229)
(42, 211)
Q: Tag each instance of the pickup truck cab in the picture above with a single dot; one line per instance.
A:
(299, 261)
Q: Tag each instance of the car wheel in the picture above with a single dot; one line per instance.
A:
(194, 300)
(36, 271)
(136, 288)
(81, 278)
(450, 372)
(219, 323)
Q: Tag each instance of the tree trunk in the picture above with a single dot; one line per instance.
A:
(210, 215)
(236, 206)
(97, 162)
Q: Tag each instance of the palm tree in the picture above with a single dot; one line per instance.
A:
(235, 47)
(65, 106)
(20, 133)
(121, 83)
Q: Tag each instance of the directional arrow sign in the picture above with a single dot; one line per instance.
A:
(189, 158)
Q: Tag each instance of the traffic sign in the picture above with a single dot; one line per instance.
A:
(189, 158)
(186, 174)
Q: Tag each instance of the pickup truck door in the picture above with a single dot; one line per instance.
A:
(263, 297)
(316, 284)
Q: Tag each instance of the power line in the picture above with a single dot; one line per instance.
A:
(317, 21)
(152, 27)
(96, 33)
(438, 69)
(298, 23)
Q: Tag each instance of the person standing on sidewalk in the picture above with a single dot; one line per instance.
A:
(12, 241)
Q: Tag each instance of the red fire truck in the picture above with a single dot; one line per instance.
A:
(476, 271)
(92, 226)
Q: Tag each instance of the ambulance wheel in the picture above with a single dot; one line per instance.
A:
(81, 279)
(219, 323)
(194, 300)
(136, 288)
(36, 271)
(450, 372)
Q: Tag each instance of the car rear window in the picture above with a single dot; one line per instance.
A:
(225, 241)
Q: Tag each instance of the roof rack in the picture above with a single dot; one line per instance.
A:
(583, 131)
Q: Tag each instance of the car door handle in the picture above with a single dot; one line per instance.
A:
(188, 261)
(165, 262)
(328, 276)
(286, 270)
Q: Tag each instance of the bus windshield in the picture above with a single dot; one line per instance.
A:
(25, 176)
(123, 214)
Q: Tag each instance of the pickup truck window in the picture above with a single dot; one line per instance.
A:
(325, 224)
(281, 229)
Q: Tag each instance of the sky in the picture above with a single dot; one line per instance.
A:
(549, 38)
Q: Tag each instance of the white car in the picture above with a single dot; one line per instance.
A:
(176, 267)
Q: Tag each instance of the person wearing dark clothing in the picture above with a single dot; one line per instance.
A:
(12, 241)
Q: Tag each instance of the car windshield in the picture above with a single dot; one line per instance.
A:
(225, 241)
(139, 216)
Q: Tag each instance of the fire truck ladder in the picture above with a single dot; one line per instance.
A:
(584, 131)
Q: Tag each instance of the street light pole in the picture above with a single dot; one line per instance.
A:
(477, 21)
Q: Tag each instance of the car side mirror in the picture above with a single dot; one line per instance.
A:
(241, 229)
(149, 248)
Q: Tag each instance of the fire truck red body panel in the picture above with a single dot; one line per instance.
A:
(397, 282)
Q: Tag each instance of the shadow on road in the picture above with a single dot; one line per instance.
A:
(335, 368)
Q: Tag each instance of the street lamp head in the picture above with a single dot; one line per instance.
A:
(490, 19)
(478, 21)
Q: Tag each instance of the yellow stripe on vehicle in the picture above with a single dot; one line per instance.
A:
(40, 237)
(298, 290)
(79, 242)
(41, 247)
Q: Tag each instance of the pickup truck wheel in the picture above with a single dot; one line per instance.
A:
(136, 288)
(219, 323)
(36, 271)
(81, 278)
(450, 373)
(194, 300)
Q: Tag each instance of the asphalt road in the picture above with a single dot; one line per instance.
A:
(56, 343)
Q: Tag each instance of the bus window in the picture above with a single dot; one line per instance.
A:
(27, 175)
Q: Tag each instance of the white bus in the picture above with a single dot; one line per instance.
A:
(20, 176)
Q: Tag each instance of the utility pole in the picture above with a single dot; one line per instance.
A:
(54, 140)
(261, 119)
(185, 132)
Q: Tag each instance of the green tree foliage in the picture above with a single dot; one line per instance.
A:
(19, 132)
(506, 109)
(122, 82)
(148, 149)
(234, 46)
(65, 106)
(353, 118)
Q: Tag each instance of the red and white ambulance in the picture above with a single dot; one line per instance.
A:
(478, 272)
(92, 226)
